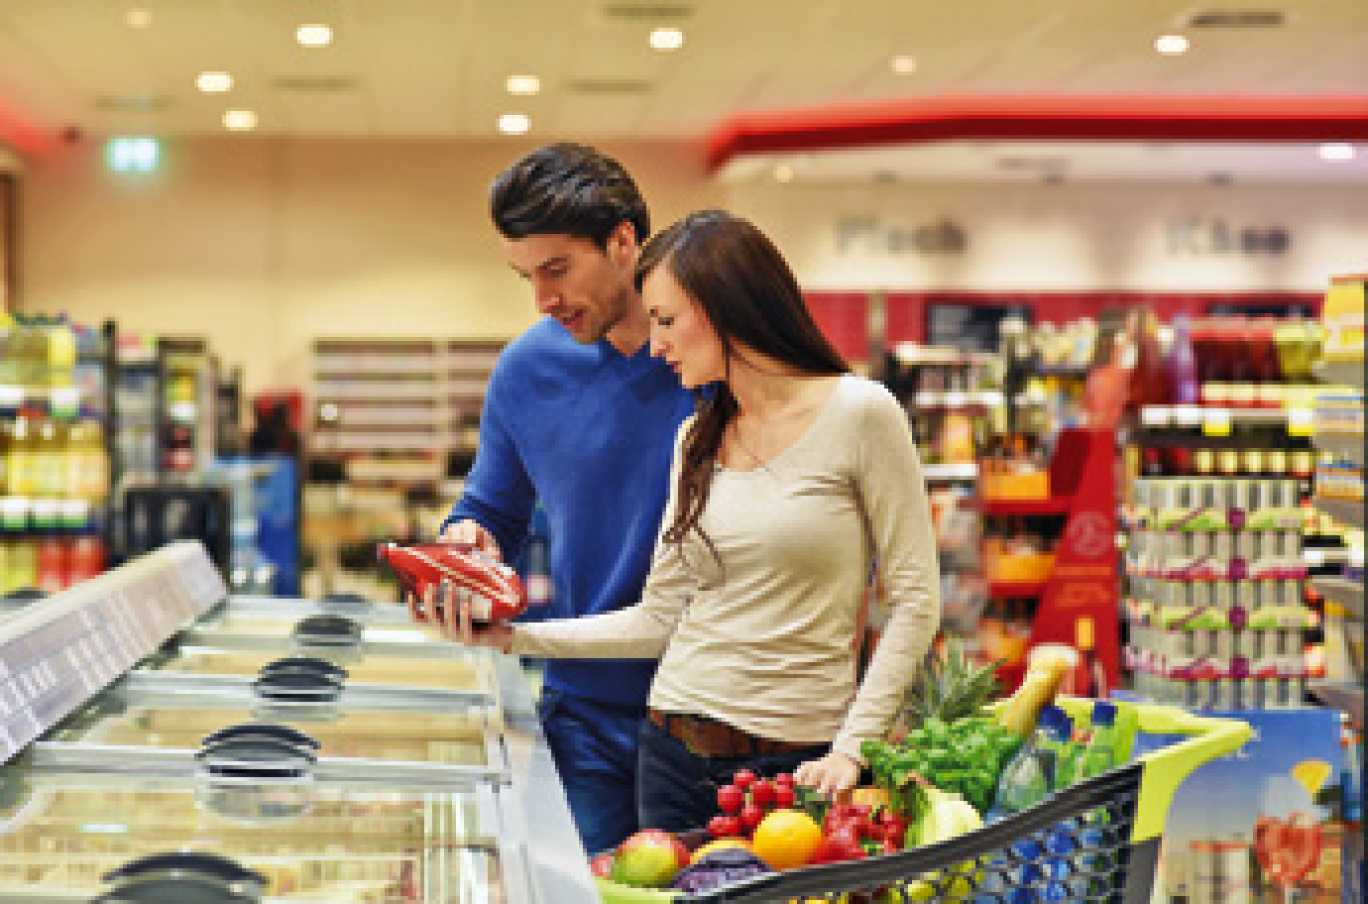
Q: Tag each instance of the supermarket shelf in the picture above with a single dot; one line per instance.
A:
(1339, 373)
(1316, 556)
(352, 366)
(1346, 593)
(59, 398)
(1347, 446)
(962, 471)
(1345, 511)
(1055, 505)
(1005, 589)
(1345, 697)
(378, 392)
(1200, 415)
(957, 399)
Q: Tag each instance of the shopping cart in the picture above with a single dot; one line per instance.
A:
(1097, 840)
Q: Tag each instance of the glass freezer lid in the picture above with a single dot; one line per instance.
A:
(61, 832)
(463, 672)
(227, 623)
(182, 721)
(282, 608)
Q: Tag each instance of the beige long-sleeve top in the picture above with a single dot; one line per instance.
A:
(764, 640)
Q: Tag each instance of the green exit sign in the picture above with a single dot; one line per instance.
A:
(132, 154)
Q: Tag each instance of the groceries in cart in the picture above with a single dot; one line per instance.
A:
(957, 764)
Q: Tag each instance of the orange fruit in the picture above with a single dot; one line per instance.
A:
(786, 838)
(718, 844)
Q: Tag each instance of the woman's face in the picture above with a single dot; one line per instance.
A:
(680, 333)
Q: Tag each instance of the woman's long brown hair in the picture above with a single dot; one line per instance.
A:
(745, 288)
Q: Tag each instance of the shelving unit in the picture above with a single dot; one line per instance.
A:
(399, 412)
(1344, 597)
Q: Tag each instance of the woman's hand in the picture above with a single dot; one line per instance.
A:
(448, 608)
(833, 775)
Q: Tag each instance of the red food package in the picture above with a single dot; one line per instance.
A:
(496, 592)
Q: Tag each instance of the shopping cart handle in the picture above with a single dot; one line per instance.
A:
(1167, 767)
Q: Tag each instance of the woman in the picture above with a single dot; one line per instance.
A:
(791, 481)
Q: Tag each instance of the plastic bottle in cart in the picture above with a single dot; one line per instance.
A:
(1030, 776)
(1100, 754)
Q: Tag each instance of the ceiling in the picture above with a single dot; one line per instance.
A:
(437, 68)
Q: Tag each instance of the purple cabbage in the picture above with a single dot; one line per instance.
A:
(719, 868)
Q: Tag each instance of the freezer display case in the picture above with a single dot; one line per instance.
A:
(281, 778)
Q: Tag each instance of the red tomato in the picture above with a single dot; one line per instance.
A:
(725, 827)
(743, 779)
(784, 796)
(730, 799)
(761, 793)
(751, 816)
(784, 778)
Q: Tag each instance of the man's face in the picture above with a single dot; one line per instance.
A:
(587, 289)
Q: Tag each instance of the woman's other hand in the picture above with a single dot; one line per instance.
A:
(448, 609)
(833, 775)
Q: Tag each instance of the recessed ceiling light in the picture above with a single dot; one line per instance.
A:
(211, 82)
(667, 38)
(523, 84)
(240, 120)
(903, 64)
(1171, 45)
(1337, 151)
(138, 17)
(783, 173)
(314, 35)
(515, 123)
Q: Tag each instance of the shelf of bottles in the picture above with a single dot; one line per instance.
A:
(954, 405)
(1222, 538)
(54, 463)
(1338, 436)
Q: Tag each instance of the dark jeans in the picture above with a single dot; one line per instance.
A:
(594, 747)
(677, 790)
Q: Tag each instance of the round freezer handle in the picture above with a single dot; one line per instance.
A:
(183, 877)
(327, 631)
(258, 750)
(309, 664)
(304, 686)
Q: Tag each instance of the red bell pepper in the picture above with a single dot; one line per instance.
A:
(839, 845)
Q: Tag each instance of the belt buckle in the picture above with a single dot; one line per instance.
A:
(687, 732)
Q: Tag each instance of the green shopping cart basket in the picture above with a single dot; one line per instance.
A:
(1097, 840)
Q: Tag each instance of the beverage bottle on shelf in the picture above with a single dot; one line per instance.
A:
(1181, 366)
(1030, 775)
(497, 594)
(50, 459)
(1092, 677)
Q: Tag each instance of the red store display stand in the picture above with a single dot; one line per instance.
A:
(1083, 582)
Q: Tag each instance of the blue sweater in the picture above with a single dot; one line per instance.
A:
(589, 433)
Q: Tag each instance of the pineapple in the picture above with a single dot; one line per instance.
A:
(949, 687)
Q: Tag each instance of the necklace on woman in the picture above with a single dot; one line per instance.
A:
(740, 444)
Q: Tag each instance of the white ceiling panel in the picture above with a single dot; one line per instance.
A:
(437, 68)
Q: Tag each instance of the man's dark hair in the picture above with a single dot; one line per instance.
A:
(567, 189)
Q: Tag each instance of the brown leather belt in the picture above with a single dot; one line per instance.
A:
(717, 740)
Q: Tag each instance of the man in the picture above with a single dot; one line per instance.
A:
(580, 417)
